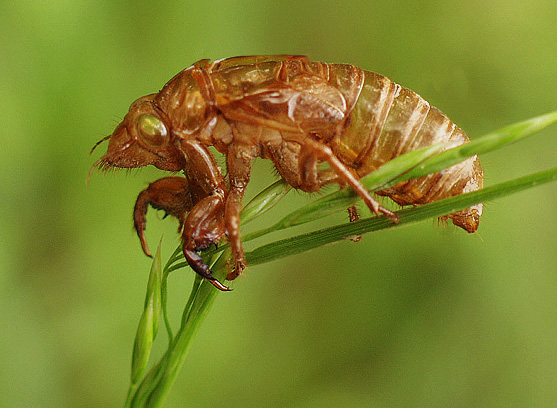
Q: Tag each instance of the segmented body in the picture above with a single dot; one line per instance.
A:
(365, 118)
(296, 113)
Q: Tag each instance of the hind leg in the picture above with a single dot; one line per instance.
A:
(313, 151)
(353, 216)
(313, 179)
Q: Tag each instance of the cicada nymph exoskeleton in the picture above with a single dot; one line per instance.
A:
(295, 112)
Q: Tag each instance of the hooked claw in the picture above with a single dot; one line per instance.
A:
(215, 282)
(139, 221)
(204, 225)
(198, 265)
(170, 194)
(141, 235)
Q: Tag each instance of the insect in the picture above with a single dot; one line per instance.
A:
(293, 111)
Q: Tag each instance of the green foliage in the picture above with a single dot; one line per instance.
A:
(434, 318)
(149, 322)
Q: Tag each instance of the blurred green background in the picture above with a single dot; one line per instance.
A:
(422, 316)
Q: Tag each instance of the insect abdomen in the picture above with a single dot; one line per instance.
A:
(389, 120)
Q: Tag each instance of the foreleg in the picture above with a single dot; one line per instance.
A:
(204, 226)
(170, 194)
(205, 222)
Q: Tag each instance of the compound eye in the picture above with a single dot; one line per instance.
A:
(153, 131)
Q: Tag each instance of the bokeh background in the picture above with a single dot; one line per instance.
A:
(422, 316)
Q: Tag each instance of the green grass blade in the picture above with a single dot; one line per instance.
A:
(305, 242)
(491, 141)
(157, 384)
(154, 387)
(149, 321)
(148, 324)
(265, 200)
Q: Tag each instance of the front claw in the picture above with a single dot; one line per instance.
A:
(215, 282)
(204, 226)
(143, 240)
(170, 194)
(196, 262)
(139, 219)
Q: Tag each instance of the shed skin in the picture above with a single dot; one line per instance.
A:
(294, 112)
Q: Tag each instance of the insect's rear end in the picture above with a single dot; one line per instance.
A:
(389, 120)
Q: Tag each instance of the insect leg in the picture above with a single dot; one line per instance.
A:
(323, 151)
(353, 213)
(205, 222)
(312, 179)
(170, 194)
(238, 162)
(203, 227)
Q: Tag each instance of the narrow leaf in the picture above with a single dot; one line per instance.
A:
(149, 321)
(491, 141)
(142, 345)
(265, 200)
(157, 383)
(305, 242)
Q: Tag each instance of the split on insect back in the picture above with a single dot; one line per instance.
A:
(294, 112)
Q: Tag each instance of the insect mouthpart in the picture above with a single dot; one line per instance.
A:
(103, 164)
(116, 154)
